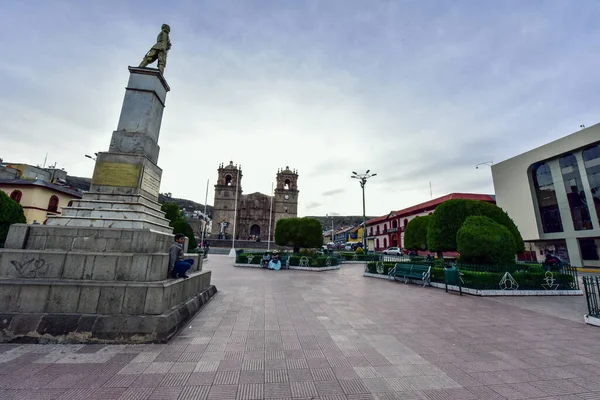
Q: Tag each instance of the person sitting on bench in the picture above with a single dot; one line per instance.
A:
(275, 263)
(265, 259)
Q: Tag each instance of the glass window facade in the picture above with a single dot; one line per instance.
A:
(575, 194)
(589, 249)
(591, 160)
(546, 199)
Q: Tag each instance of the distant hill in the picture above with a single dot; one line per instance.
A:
(340, 221)
(189, 205)
(83, 184)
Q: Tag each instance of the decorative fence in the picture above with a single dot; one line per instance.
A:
(487, 277)
(592, 295)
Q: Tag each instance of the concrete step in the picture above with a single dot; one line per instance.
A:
(103, 213)
(116, 223)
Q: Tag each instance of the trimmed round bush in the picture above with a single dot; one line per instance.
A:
(481, 240)
(359, 251)
(415, 234)
(449, 217)
(11, 212)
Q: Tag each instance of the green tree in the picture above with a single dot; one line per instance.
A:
(299, 233)
(11, 212)
(415, 233)
(450, 215)
(172, 213)
(186, 229)
(481, 240)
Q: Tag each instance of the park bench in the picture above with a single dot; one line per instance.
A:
(411, 271)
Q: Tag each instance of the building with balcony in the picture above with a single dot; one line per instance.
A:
(342, 235)
(553, 195)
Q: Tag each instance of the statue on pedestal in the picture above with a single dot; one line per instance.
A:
(159, 50)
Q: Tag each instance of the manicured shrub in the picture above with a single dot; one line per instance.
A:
(415, 234)
(11, 212)
(299, 233)
(480, 240)
(359, 251)
(450, 215)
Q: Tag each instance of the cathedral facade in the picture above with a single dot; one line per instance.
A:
(255, 210)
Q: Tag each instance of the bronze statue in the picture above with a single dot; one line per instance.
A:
(159, 50)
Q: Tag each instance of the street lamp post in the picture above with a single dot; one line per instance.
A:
(362, 178)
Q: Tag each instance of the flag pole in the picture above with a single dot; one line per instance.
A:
(204, 217)
(270, 217)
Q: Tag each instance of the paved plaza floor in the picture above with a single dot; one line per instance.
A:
(328, 336)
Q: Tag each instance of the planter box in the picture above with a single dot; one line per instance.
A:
(485, 293)
(317, 269)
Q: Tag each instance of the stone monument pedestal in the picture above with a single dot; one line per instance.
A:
(98, 272)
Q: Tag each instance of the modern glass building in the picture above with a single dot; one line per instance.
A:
(553, 195)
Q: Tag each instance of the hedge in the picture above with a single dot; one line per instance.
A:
(319, 261)
(526, 280)
(359, 257)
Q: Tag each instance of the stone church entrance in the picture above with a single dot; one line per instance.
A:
(255, 231)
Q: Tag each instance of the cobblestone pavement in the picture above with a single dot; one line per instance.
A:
(328, 336)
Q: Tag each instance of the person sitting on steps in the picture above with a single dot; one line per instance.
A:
(178, 266)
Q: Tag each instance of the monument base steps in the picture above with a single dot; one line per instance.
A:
(100, 328)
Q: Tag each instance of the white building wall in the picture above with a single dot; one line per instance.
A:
(515, 192)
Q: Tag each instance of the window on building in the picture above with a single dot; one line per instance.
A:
(405, 222)
(589, 249)
(591, 160)
(228, 180)
(53, 204)
(574, 188)
(287, 184)
(371, 231)
(16, 195)
(546, 199)
(385, 243)
(384, 228)
(376, 243)
(377, 229)
(394, 224)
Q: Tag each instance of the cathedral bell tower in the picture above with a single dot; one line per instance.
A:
(228, 182)
(286, 194)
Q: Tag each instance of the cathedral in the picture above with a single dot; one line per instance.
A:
(253, 210)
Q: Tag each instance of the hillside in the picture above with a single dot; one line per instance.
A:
(340, 221)
(83, 184)
(189, 205)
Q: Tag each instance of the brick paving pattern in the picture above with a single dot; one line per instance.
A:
(329, 336)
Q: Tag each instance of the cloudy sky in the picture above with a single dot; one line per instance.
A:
(418, 91)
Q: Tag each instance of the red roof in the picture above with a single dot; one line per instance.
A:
(432, 204)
